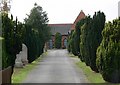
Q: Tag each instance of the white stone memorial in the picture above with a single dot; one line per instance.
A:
(45, 47)
(21, 58)
(24, 54)
(18, 62)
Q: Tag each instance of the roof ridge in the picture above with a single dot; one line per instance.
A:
(81, 12)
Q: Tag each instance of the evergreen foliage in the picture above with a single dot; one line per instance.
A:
(58, 39)
(77, 36)
(74, 39)
(95, 37)
(90, 38)
(87, 35)
(69, 41)
(12, 42)
(73, 43)
(85, 40)
(36, 32)
(108, 53)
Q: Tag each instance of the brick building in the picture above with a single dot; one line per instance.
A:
(63, 29)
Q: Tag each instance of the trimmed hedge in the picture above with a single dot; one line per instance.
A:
(74, 39)
(4, 59)
(69, 40)
(36, 32)
(77, 36)
(1, 53)
(90, 38)
(12, 42)
(85, 40)
(108, 53)
(73, 43)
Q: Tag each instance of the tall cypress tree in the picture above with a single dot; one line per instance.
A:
(11, 32)
(95, 37)
(90, 38)
(37, 32)
(108, 53)
(84, 40)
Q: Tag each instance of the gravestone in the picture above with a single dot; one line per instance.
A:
(45, 47)
(24, 54)
(18, 62)
(21, 58)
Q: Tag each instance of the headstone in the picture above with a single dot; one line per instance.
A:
(18, 62)
(24, 54)
(21, 58)
(45, 47)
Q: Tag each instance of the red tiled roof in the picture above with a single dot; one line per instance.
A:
(79, 17)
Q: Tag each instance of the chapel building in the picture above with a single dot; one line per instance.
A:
(63, 29)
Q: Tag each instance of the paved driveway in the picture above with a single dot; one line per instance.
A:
(56, 67)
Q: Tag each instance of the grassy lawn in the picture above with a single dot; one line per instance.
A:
(91, 75)
(21, 73)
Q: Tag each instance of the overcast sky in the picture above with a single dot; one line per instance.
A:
(65, 11)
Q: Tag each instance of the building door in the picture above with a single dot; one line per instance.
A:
(65, 43)
(50, 44)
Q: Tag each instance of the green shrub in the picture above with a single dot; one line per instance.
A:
(108, 53)
(95, 35)
(69, 40)
(77, 36)
(90, 38)
(84, 41)
(0, 53)
(12, 42)
(4, 60)
(58, 39)
(72, 47)
(73, 43)
(36, 32)
(74, 39)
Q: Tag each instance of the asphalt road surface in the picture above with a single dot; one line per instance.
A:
(56, 67)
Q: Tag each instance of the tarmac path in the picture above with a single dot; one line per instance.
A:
(56, 67)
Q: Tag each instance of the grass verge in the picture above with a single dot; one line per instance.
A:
(92, 76)
(21, 73)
